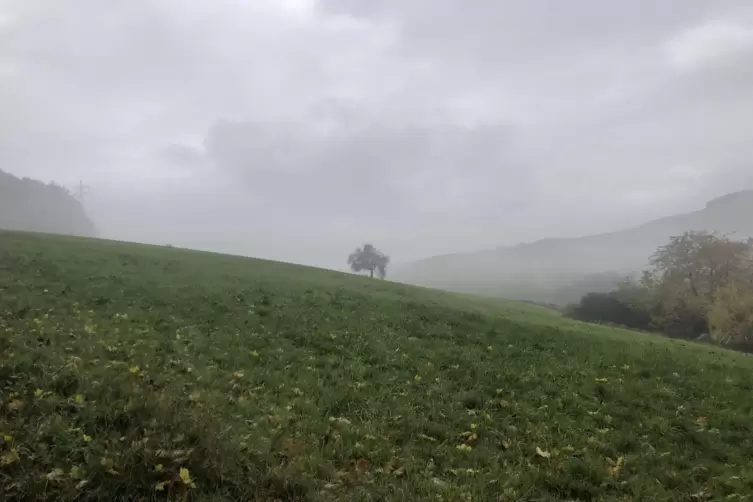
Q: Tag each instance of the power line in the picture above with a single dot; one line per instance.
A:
(81, 192)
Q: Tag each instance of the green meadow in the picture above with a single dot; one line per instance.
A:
(134, 372)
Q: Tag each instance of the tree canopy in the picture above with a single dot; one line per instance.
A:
(699, 283)
(31, 205)
(369, 259)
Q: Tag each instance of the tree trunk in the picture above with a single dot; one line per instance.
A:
(371, 273)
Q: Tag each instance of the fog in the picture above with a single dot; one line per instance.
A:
(297, 130)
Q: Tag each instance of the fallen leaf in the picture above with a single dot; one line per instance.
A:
(16, 404)
(55, 474)
(542, 453)
(615, 469)
(428, 438)
(10, 457)
(362, 464)
(76, 472)
(185, 477)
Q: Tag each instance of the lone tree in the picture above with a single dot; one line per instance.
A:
(370, 259)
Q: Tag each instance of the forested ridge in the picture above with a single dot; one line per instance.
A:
(34, 206)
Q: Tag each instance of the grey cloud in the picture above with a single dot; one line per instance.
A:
(372, 173)
(426, 126)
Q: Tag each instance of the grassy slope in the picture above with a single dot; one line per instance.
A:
(121, 364)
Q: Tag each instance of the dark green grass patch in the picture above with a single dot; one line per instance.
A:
(132, 372)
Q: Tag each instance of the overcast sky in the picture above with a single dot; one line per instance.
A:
(297, 129)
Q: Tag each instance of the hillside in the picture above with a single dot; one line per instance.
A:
(33, 206)
(558, 270)
(140, 371)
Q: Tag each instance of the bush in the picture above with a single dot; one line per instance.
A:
(608, 308)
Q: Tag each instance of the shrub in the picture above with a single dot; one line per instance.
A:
(608, 308)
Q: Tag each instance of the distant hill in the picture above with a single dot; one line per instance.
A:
(33, 206)
(560, 270)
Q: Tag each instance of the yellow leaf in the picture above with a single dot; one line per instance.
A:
(542, 453)
(158, 468)
(185, 476)
(8, 438)
(615, 469)
(76, 472)
(79, 399)
(87, 438)
(238, 374)
(601, 380)
(38, 393)
(254, 353)
(10, 457)
(134, 369)
(417, 378)
(464, 447)
(160, 487)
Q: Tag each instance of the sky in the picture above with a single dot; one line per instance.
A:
(299, 129)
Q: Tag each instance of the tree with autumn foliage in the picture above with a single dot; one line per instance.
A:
(699, 283)
(731, 316)
(686, 275)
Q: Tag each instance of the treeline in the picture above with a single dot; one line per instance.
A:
(31, 205)
(699, 285)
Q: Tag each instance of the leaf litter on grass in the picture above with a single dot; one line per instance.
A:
(237, 378)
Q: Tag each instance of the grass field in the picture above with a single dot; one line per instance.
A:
(131, 371)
